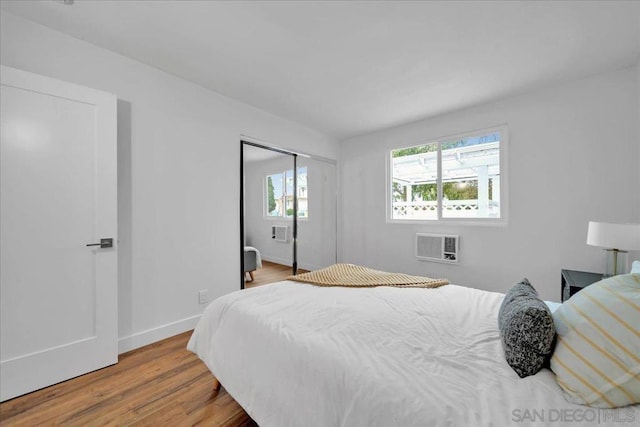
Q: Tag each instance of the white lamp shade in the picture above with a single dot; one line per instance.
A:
(614, 236)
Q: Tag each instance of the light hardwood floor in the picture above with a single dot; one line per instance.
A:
(270, 273)
(161, 384)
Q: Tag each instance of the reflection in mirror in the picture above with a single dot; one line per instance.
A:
(316, 213)
(270, 189)
(268, 205)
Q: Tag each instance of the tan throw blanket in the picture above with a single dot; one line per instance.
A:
(356, 276)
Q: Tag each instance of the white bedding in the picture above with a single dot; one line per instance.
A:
(294, 354)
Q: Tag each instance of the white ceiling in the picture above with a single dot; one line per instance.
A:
(348, 68)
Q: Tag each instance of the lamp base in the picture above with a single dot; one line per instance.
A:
(615, 262)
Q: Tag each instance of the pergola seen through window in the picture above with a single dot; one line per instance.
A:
(448, 179)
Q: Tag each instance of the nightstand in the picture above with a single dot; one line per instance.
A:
(573, 281)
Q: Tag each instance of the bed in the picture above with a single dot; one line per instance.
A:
(294, 354)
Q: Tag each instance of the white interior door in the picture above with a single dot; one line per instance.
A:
(58, 194)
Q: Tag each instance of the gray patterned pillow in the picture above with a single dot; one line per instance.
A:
(526, 329)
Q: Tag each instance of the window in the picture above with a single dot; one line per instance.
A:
(279, 194)
(453, 178)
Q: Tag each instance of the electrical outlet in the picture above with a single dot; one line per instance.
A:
(203, 297)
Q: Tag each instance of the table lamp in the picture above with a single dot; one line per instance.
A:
(617, 239)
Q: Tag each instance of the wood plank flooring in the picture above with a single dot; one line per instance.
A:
(161, 384)
(270, 273)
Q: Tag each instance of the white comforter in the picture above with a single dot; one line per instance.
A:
(294, 354)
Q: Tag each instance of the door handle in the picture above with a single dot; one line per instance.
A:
(104, 243)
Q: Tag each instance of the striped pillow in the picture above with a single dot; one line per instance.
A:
(597, 355)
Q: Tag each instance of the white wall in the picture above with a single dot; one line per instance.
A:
(573, 157)
(316, 234)
(179, 160)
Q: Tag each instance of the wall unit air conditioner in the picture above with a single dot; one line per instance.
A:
(280, 233)
(437, 247)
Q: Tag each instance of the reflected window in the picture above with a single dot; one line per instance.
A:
(279, 194)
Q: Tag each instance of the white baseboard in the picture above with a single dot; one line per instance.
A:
(140, 339)
(310, 267)
(283, 261)
(277, 260)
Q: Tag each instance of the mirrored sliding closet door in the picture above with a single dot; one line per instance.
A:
(287, 213)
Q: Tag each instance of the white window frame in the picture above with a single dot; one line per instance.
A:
(504, 181)
(265, 193)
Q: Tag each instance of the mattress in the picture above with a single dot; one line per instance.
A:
(294, 354)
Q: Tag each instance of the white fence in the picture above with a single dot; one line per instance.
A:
(450, 209)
